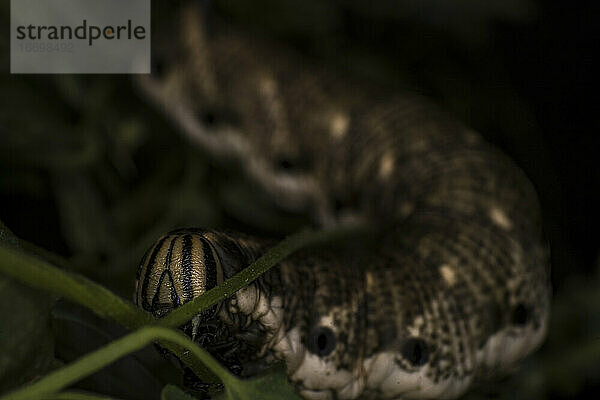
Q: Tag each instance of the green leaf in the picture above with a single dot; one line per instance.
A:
(172, 392)
(40, 274)
(108, 354)
(26, 347)
(272, 386)
(78, 331)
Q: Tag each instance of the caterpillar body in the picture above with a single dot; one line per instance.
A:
(455, 287)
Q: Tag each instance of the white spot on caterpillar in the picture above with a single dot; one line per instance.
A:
(415, 328)
(268, 86)
(318, 377)
(499, 218)
(471, 137)
(448, 274)
(274, 107)
(338, 125)
(512, 344)
(317, 374)
(352, 390)
(315, 395)
(419, 321)
(370, 281)
(288, 346)
(246, 299)
(385, 375)
(386, 165)
(406, 209)
(251, 301)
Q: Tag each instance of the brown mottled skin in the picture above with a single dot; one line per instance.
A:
(456, 286)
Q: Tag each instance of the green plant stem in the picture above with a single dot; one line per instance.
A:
(108, 354)
(302, 239)
(37, 273)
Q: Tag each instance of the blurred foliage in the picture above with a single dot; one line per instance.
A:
(26, 347)
(90, 175)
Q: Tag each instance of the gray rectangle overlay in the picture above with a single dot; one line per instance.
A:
(80, 36)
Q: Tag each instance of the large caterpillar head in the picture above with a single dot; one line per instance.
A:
(179, 266)
(185, 264)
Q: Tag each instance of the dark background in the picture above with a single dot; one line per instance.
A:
(92, 173)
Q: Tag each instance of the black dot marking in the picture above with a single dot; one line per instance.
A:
(292, 163)
(285, 164)
(208, 118)
(520, 314)
(321, 341)
(157, 67)
(338, 205)
(415, 350)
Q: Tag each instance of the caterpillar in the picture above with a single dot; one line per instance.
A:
(453, 289)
